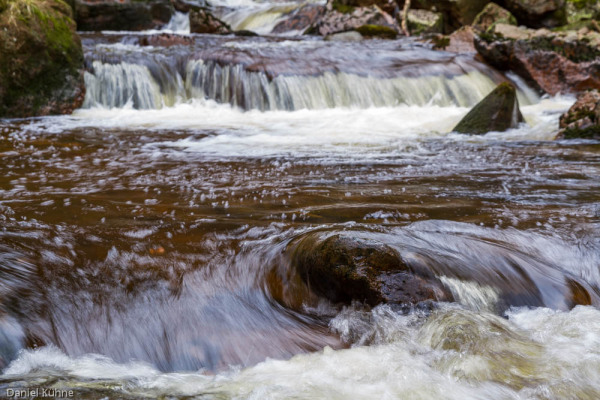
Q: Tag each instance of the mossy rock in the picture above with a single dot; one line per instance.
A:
(44, 74)
(343, 8)
(423, 21)
(491, 15)
(497, 112)
(378, 31)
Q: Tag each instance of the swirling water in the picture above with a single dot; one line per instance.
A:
(143, 239)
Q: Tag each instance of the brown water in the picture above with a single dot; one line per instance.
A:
(139, 244)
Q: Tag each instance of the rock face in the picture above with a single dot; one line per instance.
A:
(553, 62)
(492, 15)
(300, 19)
(583, 118)
(41, 72)
(202, 21)
(497, 112)
(343, 269)
(350, 18)
(538, 13)
(118, 15)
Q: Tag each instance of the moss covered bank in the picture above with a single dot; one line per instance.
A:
(41, 59)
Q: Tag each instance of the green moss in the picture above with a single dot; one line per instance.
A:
(377, 31)
(38, 36)
(496, 112)
(339, 7)
(440, 42)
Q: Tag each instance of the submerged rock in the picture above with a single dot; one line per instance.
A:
(538, 13)
(165, 40)
(553, 62)
(202, 21)
(583, 118)
(492, 15)
(344, 269)
(41, 67)
(497, 112)
(122, 15)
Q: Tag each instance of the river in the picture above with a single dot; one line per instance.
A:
(144, 239)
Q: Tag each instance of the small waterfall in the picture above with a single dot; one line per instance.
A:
(113, 85)
(117, 85)
(179, 23)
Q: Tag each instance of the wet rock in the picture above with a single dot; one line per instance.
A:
(492, 15)
(351, 18)
(41, 67)
(202, 21)
(583, 118)
(343, 269)
(423, 21)
(165, 40)
(497, 112)
(122, 15)
(456, 13)
(553, 62)
(538, 13)
(245, 33)
(300, 19)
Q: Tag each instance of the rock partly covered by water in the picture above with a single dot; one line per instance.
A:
(497, 112)
(121, 15)
(41, 59)
(553, 62)
(583, 118)
(202, 21)
(344, 269)
(539, 13)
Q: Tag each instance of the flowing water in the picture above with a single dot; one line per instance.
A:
(144, 240)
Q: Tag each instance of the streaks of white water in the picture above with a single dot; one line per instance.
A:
(452, 354)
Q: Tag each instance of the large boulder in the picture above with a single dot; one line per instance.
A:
(583, 118)
(456, 13)
(492, 15)
(497, 112)
(538, 13)
(122, 15)
(344, 269)
(552, 62)
(41, 67)
(202, 21)
(342, 19)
